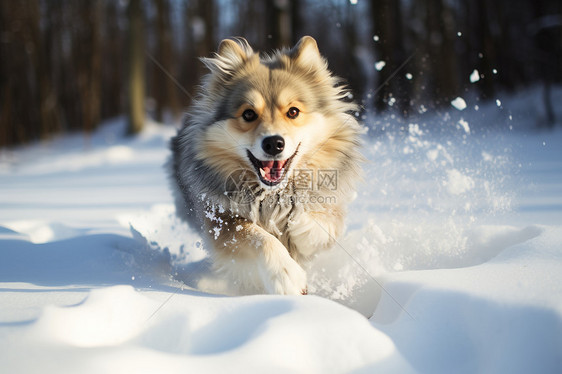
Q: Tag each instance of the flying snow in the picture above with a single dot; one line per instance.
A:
(474, 76)
(464, 125)
(459, 103)
(379, 65)
(458, 183)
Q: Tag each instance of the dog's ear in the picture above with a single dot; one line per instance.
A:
(232, 54)
(235, 50)
(306, 54)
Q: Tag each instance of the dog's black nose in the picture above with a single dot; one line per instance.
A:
(273, 145)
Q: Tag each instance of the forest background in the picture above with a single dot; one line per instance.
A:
(66, 66)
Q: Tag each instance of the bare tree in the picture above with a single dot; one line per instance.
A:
(279, 23)
(113, 79)
(89, 63)
(165, 90)
(440, 46)
(390, 48)
(136, 67)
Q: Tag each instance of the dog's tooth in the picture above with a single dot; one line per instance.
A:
(262, 173)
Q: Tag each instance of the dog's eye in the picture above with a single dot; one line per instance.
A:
(293, 112)
(249, 115)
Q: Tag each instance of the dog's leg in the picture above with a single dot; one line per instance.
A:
(253, 257)
(313, 231)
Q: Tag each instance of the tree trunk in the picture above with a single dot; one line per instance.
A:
(279, 25)
(21, 102)
(159, 92)
(441, 31)
(112, 79)
(90, 70)
(42, 62)
(204, 32)
(486, 48)
(355, 76)
(136, 68)
(296, 21)
(165, 90)
(387, 18)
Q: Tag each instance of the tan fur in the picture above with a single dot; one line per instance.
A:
(259, 244)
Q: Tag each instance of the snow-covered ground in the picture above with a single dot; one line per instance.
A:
(453, 252)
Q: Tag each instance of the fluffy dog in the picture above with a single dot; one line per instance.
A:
(266, 162)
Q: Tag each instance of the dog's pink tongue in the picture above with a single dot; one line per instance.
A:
(273, 169)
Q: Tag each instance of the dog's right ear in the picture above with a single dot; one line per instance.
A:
(236, 50)
(231, 55)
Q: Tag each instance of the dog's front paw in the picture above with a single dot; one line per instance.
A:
(290, 280)
(283, 276)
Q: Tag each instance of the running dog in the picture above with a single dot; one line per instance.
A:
(266, 163)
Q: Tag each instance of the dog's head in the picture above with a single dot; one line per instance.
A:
(272, 114)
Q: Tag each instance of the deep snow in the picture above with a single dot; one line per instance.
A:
(453, 251)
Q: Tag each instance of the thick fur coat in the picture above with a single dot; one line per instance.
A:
(266, 162)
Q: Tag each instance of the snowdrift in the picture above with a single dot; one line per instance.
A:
(451, 262)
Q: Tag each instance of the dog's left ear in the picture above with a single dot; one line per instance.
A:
(306, 53)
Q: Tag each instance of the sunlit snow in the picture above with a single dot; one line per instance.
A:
(450, 262)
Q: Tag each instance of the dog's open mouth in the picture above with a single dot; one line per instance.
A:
(271, 172)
